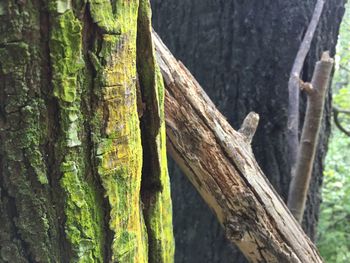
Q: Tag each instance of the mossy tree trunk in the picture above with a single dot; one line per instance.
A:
(83, 171)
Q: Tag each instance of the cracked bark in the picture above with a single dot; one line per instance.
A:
(70, 136)
(220, 164)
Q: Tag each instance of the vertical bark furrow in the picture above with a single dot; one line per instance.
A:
(92, 37)
(155, 187)
(51, 120)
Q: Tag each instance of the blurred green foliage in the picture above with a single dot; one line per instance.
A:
(334, 225)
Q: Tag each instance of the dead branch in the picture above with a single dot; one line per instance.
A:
(293, 84)
(219, 162)
(316, 92)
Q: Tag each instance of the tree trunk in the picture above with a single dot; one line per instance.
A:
(73, 186)
(242, 52)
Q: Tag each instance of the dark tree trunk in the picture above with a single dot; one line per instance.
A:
(242, 52)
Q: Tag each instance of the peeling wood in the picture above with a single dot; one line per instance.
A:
(218, 161)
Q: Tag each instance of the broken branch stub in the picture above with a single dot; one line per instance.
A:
(249, 126)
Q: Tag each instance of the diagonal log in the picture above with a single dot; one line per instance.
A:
(219, 162)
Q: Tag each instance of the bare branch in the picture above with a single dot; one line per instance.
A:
(336, 112)
(293, 84)
(347, 112)
(316, 96)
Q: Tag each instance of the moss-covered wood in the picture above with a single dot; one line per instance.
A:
(155, 181)
(30, 228)
(72, 155)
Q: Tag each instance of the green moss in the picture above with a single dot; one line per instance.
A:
(26, 205)
(160, 212)
(118, 149)
(15, 57)
(84, 220)
(156, 183)
(63, 6)
(102, 15)
(80, 225)
(66, 55)
(115, 131)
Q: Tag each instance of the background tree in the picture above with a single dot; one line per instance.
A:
(241, 52)
(72, 184)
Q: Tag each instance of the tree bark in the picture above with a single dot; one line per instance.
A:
(72, 183)
(242, 52)
(219, 162)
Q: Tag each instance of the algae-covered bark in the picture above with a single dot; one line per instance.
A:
(83, 217)
(71, 146)
(115, 127)
(28, 220)
(155, 180)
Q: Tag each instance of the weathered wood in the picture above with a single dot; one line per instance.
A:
(219, 162)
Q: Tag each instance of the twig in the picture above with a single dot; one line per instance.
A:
(347, 112)
(336, 112)
(293, 84)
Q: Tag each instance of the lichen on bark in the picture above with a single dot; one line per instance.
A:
(155, 188)
(27, 219)
(83, 226)
(115, 127)
(71, 151)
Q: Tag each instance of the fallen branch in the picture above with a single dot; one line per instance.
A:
(316, 92)
(293, 84)
(219, 162)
